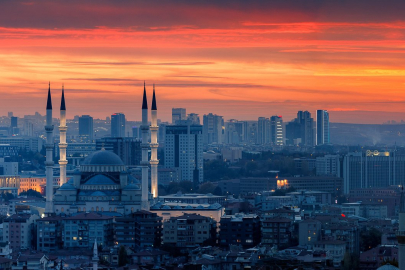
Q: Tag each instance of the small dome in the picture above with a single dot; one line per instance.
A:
(388, 267)
(67, 186)
(132, 187)
(100, 179)
(98, 193)
(103, 157)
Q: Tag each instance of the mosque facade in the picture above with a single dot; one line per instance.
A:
(102, 183)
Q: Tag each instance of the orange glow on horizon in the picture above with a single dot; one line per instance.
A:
(236, 63)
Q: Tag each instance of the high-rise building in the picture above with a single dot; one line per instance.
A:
(128, 149)
(86, 127)
(372, 169)
(184, 150)
(234, 132)
(194, 118)
(263, 130)
(213, 129)
(322, 127)
(328, 165)
(178, 114)
(13, 125)
(276, 130)
(118, 125)
(300, 131)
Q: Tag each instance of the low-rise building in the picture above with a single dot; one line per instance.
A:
(139, 230)
(189, 230)
(276, 231)
(240, 229)
(335, 248)
(18, 230)
(49, 234)
(309, 231)
(193, 198)
(82, 229)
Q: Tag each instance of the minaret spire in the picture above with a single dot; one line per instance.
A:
(49, 162)
(49, 102)
(62, 139)
(154, 145)
(145, 100)
(62, 103)
(145, 148)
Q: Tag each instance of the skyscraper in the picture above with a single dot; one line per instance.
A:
(301, 130)
(263, 130)
(276, 130)
(118, 125)
(213, 129)
(178, 114)
(86, 127)
(184, 150)
(322, 127)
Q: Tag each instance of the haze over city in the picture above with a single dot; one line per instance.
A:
(237, 59)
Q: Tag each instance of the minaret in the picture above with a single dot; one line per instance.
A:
(401, 232)
(154, 145)
(62, 140)
(144, 146)
(49, 162)
(95, 255)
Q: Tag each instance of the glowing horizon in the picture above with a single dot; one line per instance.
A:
(234, 59)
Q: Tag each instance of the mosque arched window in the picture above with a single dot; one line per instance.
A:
(62, 210)
(102, 209)
(84, 209)
(92, 209)
(97, 208)
(110, 209)
(78, 209)
(115, 209)
(132, 209)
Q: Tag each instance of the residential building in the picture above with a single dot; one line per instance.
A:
(194, 118)
(189, 230)
(18, 230)
(213, 129)
(335, 248)
(276, 130)
(332, 185)
(81, 230)
(375, 257)
(139, 230)
(276, 231)
(49, 234)
(256, 184)
(240, 229)
(309, 231)
(33, 144)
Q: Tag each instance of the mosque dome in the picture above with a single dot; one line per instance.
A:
(67, 186)
(103, 157)
(99, 179)
(387, 267)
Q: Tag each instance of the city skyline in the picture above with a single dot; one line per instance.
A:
(243, 60)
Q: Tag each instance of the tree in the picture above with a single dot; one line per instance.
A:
(31, 193)
(122, 256)
(370, 239)
(7, 196)
(207, 187)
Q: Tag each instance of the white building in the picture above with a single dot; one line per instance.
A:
(184, 150)
(328, 165)
(277, 130)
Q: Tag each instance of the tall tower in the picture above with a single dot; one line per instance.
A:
(95, 255)
(144, 146)
(154, 145)
(401, 232)
(62, 140)
(49, 161)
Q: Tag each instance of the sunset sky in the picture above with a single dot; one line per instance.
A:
(239, 59)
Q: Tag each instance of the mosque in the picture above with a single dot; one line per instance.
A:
(103, 183)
